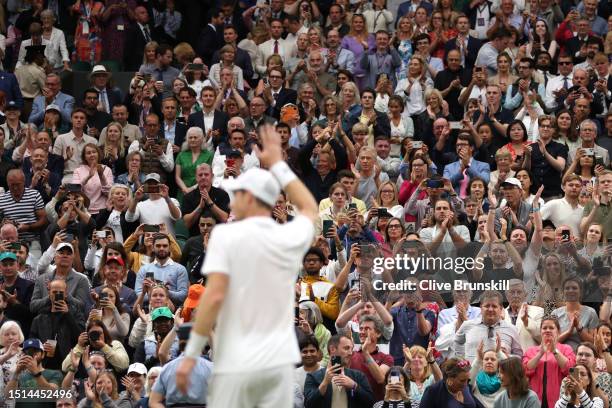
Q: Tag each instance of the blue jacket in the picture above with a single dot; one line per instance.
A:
(452, 171)
(65, 103)
(10, 86)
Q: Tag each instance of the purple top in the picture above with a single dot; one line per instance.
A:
(352, 44)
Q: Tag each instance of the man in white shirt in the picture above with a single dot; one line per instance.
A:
(237, 141)
(275, 45)
(566, 210)
(253, 326)
(557, 87)
(487, 56)
(158, 209)
(70, 145)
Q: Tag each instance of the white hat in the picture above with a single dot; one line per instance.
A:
(52, 107)
(99, 69)
(137, 368)
(63, 245)
(258, 182)
(512, 181)
(152, 176)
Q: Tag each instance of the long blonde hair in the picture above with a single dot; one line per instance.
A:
(121, 145)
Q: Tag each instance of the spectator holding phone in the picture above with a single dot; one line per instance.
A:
(97, 244)
(580, 389)
(143, 237)
(157, 152)
(397, 389)
(337, 377)
(159, 208)
(58, 327)
(110, 311)
(97, 340)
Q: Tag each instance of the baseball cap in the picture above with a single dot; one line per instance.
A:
(63, 245)
(513, 182)
(161, 312)
(193, 296)
(12, 105)
(52, 107)
(137, 368)
(33, 344)
(548, 224)
(258, 182)
(7, 255)
(117, 259)
(152, 176)
(233, 154)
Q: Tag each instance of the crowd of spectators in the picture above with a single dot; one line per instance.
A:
(466, 129)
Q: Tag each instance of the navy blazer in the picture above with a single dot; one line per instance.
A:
(64, 101)
(219, 123)
(437, 395)
(285, 96)
(362, 397)
(452, 171)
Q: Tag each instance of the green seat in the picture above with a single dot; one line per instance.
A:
(111, 65)
(181, 231)
(81, 66)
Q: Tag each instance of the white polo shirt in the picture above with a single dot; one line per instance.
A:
(560, 212)
(255, 328)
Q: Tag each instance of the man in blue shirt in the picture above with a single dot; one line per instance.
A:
(164, 270)
(165, 393)
(413, 323)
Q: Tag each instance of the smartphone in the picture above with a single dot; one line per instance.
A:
(150, 228)
(573, 372)
(565, 234)
(336, 360)
(73, 188)
(383, 213)
(417, 144)
(147, 77)
(352, 206)
(410, 227)
(455, 125)
(103, 296)
(150, 188)
(59, 297)
(195, 67)
(230, 162)
(69, 237)
(327, 224)
(478, 69)
(599, 161)
(296, 314)
(150, 276)
(101, 234)
(394, 376)
(589, 151)
(435, 183)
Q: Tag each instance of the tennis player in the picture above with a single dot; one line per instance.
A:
(252, 265)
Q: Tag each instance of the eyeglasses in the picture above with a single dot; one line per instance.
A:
(275, 77)
(394, 226)
(565, 63)
(545, 127)
(387, 191)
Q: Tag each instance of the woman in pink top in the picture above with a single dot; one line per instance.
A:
(96, 179)
(547, 364)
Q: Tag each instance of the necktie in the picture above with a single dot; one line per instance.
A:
(565, 83)
(105, 100)
(275, 46)
(275, 96)
(147, 34)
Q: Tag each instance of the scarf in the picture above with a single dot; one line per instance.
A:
(487, 383)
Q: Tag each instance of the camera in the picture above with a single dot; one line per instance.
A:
(59, 297)
(151, 228)
(93, 336)
(150, 188)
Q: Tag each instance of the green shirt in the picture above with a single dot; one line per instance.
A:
(28, 381)
(603, 216)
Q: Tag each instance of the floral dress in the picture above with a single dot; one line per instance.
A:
(7, 370)
(87, 38)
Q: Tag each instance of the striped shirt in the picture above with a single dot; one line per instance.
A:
(23, 211)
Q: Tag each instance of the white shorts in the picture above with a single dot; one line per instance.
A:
(271, 388)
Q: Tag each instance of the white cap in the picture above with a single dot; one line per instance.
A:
(258, 182)
(513, 181)
(152, 176)
(52, 107)
(137, 368)
(63, 245)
